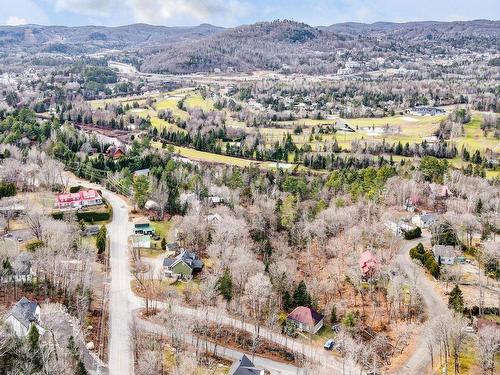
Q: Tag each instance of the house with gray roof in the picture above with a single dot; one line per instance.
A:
(23, 316)
(445, 254)
(183, 265)
(244, 367)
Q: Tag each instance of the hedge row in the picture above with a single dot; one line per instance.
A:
(427, 259)
(88, 216)
(412, 234)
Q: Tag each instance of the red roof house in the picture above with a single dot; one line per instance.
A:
(368, 264)
(306, 319)
(115, 152)
(83, 198)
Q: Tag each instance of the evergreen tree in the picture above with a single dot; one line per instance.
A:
(225, 285)
(163, 244)
(333, 315)
(456, 300)
(101, 240)
(301, 296)
(33, 337)
(287, 301)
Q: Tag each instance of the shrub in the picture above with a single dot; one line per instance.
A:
(32, 246)
(412, 234)
(75, 189)
(427, 260)
(7, 189)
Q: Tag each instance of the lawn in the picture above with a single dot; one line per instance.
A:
(197, 101)
(213, 158)
(162, 228)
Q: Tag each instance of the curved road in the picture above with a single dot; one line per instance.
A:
(419, 361)
(123, 302)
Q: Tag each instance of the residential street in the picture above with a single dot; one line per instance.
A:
(120, 313)
(276, 368)
(420, 360)
(123, 302)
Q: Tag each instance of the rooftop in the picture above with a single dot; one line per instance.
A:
(305, 315)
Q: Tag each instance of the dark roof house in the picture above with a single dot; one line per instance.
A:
(23, 315)
(244, 367)
(183, 265)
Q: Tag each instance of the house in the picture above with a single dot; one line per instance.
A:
(23, 316)
(172, 246)
(399, 227)
(306, 319)
(213, 219)
(183, 265)
(115, 152)
(83, 198)
(411, 203)
(143, 226)
(244, 366)
(343, 126)
(215, 200)
(424, 220)
(426, 111)
(141, 242)
(21, 270)
(368, 263)
(445, 254)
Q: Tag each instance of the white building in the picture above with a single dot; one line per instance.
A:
(23, 316)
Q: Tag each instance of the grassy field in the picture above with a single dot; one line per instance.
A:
(214, 158)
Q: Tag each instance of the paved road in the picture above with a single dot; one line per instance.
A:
(419, 361)
(275, 367)
(120, 313)
(120, 356)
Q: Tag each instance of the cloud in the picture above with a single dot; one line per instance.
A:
(100, 8)
(161, 11)
(15, 20)
(16, 12)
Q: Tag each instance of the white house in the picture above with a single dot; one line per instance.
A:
(23, 316)
(445, 254)
(424, 220)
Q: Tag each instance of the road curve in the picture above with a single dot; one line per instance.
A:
(419, 361)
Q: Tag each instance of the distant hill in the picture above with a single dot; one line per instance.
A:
(80, 39)
(286, 46)
(297, 47)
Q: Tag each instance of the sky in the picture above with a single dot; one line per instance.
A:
(236, 12)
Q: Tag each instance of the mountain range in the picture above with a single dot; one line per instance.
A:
(277, 45)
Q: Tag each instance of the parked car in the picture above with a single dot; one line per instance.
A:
(19, 239)
(8, 235)
(329, 344)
